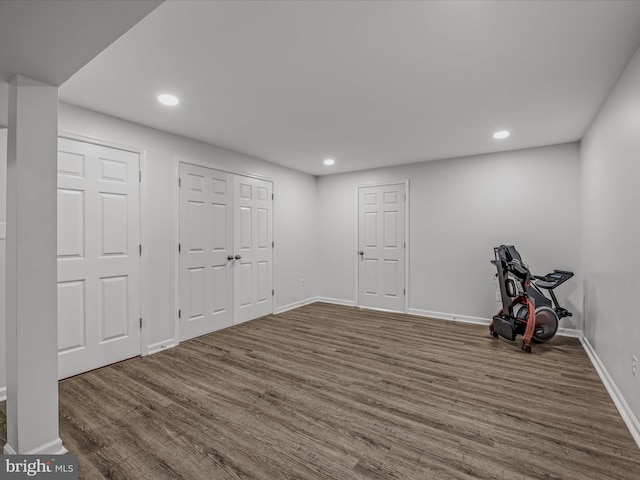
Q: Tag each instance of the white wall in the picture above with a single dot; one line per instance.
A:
(294, 211)
(459, 210)
(3, 225)
(610, 164)
(4, 104)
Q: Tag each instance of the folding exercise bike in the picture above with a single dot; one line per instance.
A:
(526, 310)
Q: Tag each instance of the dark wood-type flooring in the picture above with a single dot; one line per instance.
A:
(329, 392)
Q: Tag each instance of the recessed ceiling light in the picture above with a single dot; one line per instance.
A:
(501, 134)
(329, 161)
(167, 99)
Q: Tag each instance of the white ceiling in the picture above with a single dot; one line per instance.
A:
(51, 40)
(369, 83)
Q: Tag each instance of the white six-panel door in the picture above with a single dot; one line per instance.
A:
(253, 240)
(206, 250)
(381, 242)
(98, 256)
(226, 253)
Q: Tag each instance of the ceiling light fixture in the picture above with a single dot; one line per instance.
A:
(501, 134)
(329, 161)
(167, 99)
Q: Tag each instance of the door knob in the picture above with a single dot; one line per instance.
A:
(361, 253)
(229, 257)
(238, 257)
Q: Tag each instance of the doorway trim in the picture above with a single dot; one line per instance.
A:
(405, 183)
(175, 225)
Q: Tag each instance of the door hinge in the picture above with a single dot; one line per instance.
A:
(273, 244)
(179, 182)
(140, 323)
(404, 291)
(140, 249)
(179, 313)
(179, 248)
(139, 175)
(272, 196)
(273, 292)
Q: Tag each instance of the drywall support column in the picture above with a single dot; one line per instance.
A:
(31, 279)
(3, 238)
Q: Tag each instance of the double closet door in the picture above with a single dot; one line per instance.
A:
(225, 250)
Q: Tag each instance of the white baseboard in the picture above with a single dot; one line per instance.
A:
(621, 404)
(160, 346)
(54, 447)
(3, 394)
(291, 306)
(449, 316)
(8, 450)
(336, 301)
(570, 332)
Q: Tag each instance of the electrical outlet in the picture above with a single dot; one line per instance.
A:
(498, 297)
(634, 367)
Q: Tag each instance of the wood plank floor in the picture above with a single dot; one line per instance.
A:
(329, 392)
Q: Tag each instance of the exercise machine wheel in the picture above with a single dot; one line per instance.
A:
(546, 324)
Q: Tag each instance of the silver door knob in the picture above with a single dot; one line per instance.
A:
(361, 253)
(229, 257)
(238, 257)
